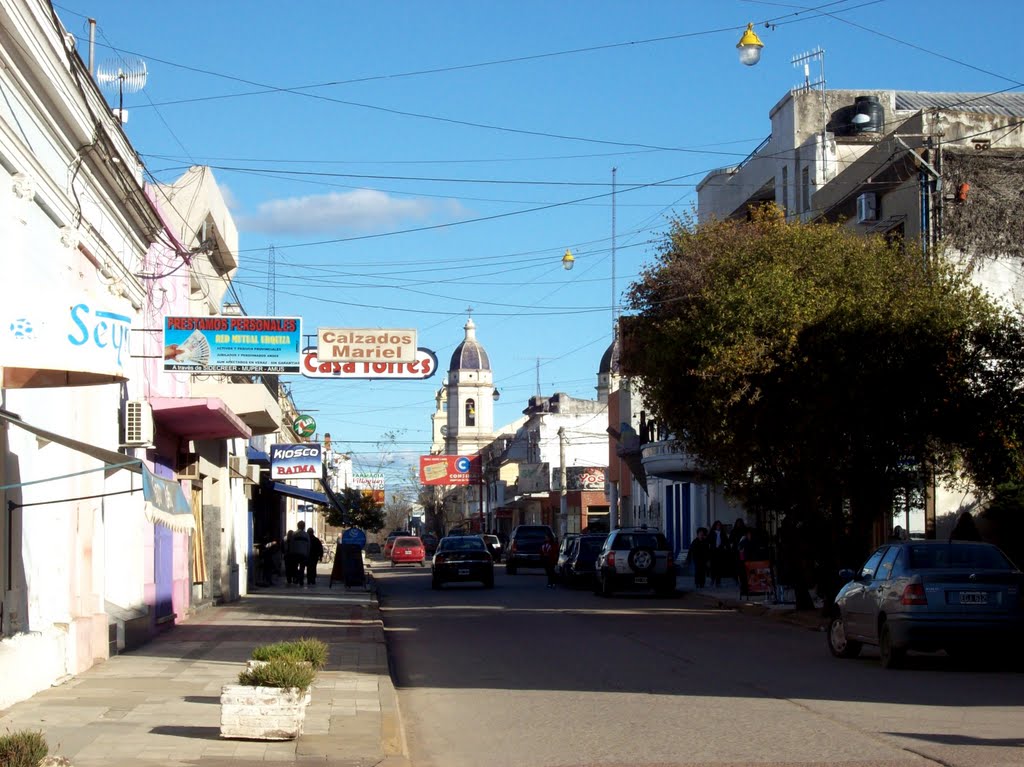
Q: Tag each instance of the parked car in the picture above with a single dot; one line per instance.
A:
(957, 596)
(524, 547)
(429, 543)
(372, 549)
(580, 567)
(494, 546)
(462, 558)
(635, 558)
(390, 541)
(563, 552)
(408, 549)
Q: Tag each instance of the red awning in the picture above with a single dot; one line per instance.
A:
(198, 418)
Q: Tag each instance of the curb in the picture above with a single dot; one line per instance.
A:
(811, 620)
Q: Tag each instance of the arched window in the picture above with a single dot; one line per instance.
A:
(470, 412)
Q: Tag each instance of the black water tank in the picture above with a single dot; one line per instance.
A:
(868, 115)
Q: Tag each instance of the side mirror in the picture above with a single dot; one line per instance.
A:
(847, 575)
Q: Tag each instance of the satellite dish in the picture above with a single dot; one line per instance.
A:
(127, 75)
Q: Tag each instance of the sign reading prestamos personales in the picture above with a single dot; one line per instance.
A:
(232, 344)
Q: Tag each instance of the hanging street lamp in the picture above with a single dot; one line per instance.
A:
(750, 46)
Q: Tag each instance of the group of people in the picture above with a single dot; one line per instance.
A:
(718, 554)
(300, 553)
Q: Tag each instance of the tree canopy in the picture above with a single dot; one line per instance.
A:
(808, 367)
(358, 510)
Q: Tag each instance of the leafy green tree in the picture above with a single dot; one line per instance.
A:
(357, 510)
(817, 372)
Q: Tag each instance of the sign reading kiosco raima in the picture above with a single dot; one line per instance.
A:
(365, 345)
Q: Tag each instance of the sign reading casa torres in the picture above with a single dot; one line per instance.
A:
(366, 345)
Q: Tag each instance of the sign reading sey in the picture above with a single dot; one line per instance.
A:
(366, 345)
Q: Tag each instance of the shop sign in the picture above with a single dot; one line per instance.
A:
(423, 366)
(69, 332)
(304, 426)
(246, 345)
(366, 345)
(450, 469)
(296, 461)
(581, 478)
(368, 481)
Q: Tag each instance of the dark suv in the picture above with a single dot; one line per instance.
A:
(635, 558)
(524, 547)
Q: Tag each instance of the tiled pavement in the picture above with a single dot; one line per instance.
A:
(160, 704)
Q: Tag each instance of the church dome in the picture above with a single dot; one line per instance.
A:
(606, 362)
(469, 355)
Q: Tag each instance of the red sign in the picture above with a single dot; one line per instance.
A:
(422, 367)
(450, 469)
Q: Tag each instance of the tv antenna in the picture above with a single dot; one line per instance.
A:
(128, 75)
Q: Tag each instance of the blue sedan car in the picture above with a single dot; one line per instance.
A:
(929, 595)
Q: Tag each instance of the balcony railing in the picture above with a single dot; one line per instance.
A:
(668, 460)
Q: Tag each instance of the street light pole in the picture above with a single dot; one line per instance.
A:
(563, 512)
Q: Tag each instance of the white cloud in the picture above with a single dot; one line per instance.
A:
(359, 210)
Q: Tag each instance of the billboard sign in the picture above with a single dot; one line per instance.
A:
(296, 461)
(424, 366)
(242, 344)
(534, 478)
(366, 344)
(450, 469)
(581, 478)
(368, 480)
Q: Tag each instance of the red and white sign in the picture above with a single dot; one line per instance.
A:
(423, 366)
(450, 469)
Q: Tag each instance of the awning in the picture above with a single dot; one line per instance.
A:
(300, 492)
(198, 418)
(109, 457)
(252, 455)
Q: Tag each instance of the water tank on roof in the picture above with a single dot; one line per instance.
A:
(868, 115)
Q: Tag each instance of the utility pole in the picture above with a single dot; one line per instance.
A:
(563, 511)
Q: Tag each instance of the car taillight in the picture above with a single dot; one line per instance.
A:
(439, 559)
(512, 547)
(611, 559)
(913, 594)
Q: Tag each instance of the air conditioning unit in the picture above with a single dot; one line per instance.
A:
(867, 208)
(187, 466)
(138, 424)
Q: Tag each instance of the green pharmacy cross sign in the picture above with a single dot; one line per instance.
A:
(304, 426)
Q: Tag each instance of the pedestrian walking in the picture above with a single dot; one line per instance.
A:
(297, 554)
(316, 552)
(698, 555)
(548, 555)
(718, 543)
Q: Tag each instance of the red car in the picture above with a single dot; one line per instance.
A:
(408, 549)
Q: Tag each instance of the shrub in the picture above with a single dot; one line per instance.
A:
(278, 672)
(312, 651)
(22, 749)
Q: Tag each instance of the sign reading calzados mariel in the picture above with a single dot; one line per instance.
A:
(365, 345)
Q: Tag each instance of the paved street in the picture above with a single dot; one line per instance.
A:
(527, 675)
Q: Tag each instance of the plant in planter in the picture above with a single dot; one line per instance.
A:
(304, 650)
(269, 702)
(22, 748)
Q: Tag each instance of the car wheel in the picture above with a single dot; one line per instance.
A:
(489, 582)
(891, 656)
(392, 563)
(423, 563)
(641, 560)
(838, 644)
(510, 568)
(605, 586)
(435, 584)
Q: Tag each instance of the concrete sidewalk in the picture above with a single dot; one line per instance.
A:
(160, 704)
(727, 597)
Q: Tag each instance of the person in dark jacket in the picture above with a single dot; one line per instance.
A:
(718, 543)
(297, 554)
(699, 554)
(316, 553)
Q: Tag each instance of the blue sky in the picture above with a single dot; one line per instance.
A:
(432, 156)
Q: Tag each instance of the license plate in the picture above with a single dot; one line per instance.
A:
(408, 551)
(641, 579)
(463, 571)
(973, 597)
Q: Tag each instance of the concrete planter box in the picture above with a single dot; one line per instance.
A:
(262, 713)
(251, 664)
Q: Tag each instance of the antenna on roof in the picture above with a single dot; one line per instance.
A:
(128, 75)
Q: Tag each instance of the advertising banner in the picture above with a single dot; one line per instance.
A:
(232, 344)
(304, 459)
(424, 366)
(166, 503)
(366, 344)
(449, 469)
(365, 480)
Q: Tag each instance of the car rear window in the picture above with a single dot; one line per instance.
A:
(462, 543)
(591, 546)
(975, 556)
(531, 535)
(408, 542)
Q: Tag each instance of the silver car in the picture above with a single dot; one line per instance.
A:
(929, 595)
